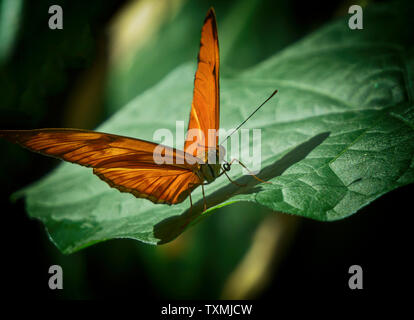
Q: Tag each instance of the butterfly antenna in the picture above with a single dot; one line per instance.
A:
(271, 96)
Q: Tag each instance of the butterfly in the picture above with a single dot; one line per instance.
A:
(158, 173)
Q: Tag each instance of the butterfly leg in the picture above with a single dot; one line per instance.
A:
(251, 173)
(189, 194)
(226, 167)
(237, 184)
(204, 196)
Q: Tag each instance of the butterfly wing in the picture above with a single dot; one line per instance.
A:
(124, 163)
(205, 108)
(168, 186)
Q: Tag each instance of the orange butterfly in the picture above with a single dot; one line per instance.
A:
(130, 165)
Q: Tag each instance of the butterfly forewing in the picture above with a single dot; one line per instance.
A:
(205, 108)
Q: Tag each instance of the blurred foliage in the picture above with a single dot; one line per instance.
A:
(248, 33)
(39, 71)
(10, 12)
(42, 69)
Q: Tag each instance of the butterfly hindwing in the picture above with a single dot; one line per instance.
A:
(169, 186)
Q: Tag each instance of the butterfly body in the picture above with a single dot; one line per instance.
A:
(209, 172)
(211, 168)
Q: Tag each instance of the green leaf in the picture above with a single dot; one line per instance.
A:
(338, 135)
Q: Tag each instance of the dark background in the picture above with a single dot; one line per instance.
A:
(40, 81)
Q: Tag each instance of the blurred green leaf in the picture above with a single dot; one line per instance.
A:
(338, 135)
(200, 262)
(10, 14)
(246, 32)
